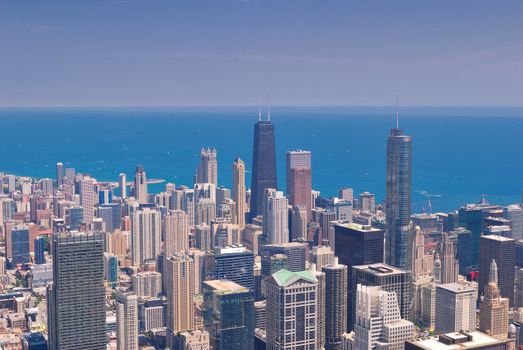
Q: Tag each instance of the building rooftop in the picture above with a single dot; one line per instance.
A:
(284, 277)
(380, 269)
(456, 341)
(358, 227)
(497, 238)
(456, 287)
(226, 286)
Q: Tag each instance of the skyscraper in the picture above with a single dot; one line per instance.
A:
(263, 165)
(275, 217)
(228, 314)
(179, 289)
(299, 179)
(238, 190)
(449, 263)
(77, 291)
(358, 244)
(146, 234)
(207, 171)
(455, 307)
(88, 197)
(291, 310)
(397, 206)
(140, 184)
(502, 250)
(126, 321)
(493, 308)
(59, 174)
(234, 263)
(122, 183)
(176, 232)
(297, 253)
(336, 282)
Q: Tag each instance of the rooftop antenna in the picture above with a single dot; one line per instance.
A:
(268, 107)
(259, 109)
(397, 114)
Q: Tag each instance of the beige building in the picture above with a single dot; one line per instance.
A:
(176, 232)
(127, 321)
(238, 190)
(493, 309)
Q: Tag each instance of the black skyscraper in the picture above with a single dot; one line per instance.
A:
(263, 165)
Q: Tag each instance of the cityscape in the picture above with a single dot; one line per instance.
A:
(146, 203)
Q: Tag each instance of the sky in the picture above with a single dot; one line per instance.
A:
(232, 52)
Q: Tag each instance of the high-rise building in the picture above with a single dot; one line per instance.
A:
(455, 307)
(515, 214)
(74, 217)
(297, 254)
(111, 269)
(238, 190)
(17, 245)
(493, 308)
(39, 250)
(192, 340)
(336, 282)
(59, 174)
(207, 171)
(378, 322)
(320, 301)
(299, 179)
(111, 214)
(292, 309)
(140, 184)
(389, 278)
(502, 250)
(88, 197)
(77, 291)
(470, 340)
(122, 184)
(367, 202)
(176, 232)
(151, 313)
(126, 321)
(179, 289)
(321, 256)
(449, 263)
(147, 284)
(298, 223)
(228, 314)
(275, 217)
(263, 165)
(358, 244)
(234, 263)
(422, 264)
(397, 206)
(146, 234)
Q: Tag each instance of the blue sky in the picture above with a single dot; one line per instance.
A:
(201, 53)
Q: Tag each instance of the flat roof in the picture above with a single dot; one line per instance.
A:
(497, 238)
(358, 227)
(380, 269)
(226, 286)
(478, 339)
(456, 287)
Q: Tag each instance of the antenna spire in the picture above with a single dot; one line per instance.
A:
(268, 107)
(397, 114)
(259, 109)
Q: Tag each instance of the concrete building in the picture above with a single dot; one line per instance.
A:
(146, 235)
(336, 282)
(126, 321)
(147, 284)
(275, 217)
(207, 171)
(455, 307)
(176, 232)
(299, 180)
(238, 190)
(140, 184)
(472, 340)
(235, 263)
(321, 256)
(493, 309)
(192, 340)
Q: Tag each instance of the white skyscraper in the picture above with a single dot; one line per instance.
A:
(126, 321)
(207, 170)
(146, 234)
(238, 190)
(122, 183)
(455, 307)
(88, 197)
(378, 320)
(275, 217)
(140, 184)
(176, 232)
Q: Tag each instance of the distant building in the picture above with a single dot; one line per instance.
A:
(455, 307)
(299, 180)
(140, 184)
(238, 190)
(126, 321)
(207, 171)
(297, 253)
(234, 263)
(146, 233)
(147, 284)
(358, 244)
(493, 309)
(336, 283)
(275, 217)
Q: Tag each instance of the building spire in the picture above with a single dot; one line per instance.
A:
(397, 114)
(259, 109)
(493, 273)
(268, 107)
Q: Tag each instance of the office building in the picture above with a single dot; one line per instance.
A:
(514, 213)
(111, 269)
(122, 184)
(151, 314)
(263, 165)
(297, 253)
(147, 284)
(321, 256)
(238, 190)
(298, 223)
(205, 211)
(464, 249)
(397, 206)
(449, 263)
(502, 250)
(291, 310)
(59, 174)
(228, 314)
(493, 308)
(176, 232)
(126, 321)
(367, 202)
(234, 263)
(336, 282)
(389, 278)
(179, 290)
(39, 243)
(466, 340)
(74, 217)
(77, 291)
(299, 180)
(17, 245)
(378, 322)
(146, 234)
(455, 308)
(192, 340)
(207, 171)
(140, 184)
(111, 214)
(276, 217)
(422, 264)
(358, 244)
(88, 197)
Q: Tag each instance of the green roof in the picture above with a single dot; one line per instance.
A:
(285, 277)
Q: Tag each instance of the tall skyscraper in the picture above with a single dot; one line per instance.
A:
(122, 184)
(59, 174)
(176, 232)
(140, 184)
(238, 190)
(77, 291)
(397, 206)
(88, 197)
(389, 278)
(126, 321)
(207, 171)
(502, 250)
(234, 263)
(297, 253)
(449, 263)
(422, 264)
(146, 234)
(292, 309)
(358, 244)
(299, 179)
(336, 282)
(276, 217)
(263, 165)
(455, 307)
(179, 289)
(228, 314)
(378, 322)
(493, 308)
(320, 301)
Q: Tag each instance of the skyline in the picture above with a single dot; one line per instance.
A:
(127, 53)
